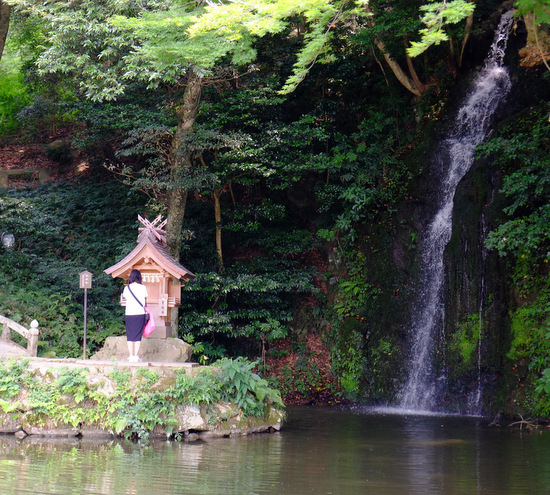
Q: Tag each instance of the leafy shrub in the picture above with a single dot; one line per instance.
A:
(200, 389)
(11, 378)
(240, 304)
(530, 353)
(347, 361)
(520, 151)
(245, 388)
(13, 95)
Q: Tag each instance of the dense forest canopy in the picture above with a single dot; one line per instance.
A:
(286, 143)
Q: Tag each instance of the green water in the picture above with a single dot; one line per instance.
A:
(320, 451)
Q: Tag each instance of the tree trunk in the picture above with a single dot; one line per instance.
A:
(218, 217)
(180, 163)
(419, 85)
(403, 78)
(537, 49)
(468, 30)
(4, 24)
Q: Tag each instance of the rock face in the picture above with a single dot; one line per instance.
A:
(152, 350)
(193, 423)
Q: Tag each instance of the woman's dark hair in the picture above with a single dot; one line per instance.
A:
(135, 276)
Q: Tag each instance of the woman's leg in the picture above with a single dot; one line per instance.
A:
(136, 347)
(130, 348)
(133, 345)
(128, 342)
(138, 342)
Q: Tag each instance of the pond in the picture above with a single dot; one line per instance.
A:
(319, 451)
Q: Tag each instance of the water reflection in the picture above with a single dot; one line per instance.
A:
(323, 451)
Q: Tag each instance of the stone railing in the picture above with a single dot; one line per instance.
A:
(30, 334)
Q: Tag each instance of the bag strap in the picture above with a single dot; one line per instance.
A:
(135, 296)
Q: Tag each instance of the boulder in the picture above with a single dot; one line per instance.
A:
(168, 350)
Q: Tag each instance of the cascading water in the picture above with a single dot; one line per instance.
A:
(454, 159)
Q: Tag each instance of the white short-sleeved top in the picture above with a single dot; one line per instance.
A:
(132, 306)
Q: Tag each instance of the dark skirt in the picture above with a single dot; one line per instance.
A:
(134, 327)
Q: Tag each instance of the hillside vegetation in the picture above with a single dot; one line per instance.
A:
(290, 159)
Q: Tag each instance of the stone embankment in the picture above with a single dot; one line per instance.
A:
(116, 398)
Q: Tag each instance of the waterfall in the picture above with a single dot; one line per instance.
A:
(453, 160)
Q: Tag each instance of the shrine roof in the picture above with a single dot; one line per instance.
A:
(150, 249)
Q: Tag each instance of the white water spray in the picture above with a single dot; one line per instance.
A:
(456, 155)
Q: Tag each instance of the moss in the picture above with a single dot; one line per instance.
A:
(463, 346)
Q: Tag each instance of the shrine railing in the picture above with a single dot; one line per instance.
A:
(31, 334)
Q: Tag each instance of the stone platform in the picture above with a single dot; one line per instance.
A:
(44, 364)
(168, 350)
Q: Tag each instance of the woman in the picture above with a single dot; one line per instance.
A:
(136, 299)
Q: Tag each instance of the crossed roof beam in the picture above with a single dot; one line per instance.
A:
(155, 227)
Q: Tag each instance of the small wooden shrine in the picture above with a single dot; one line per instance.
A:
(160, 273)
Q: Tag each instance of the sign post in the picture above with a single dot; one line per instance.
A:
(85, 283)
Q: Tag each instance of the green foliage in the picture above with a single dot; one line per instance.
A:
(60, 231)
(354, 292)
(377, 371)
(232, 26)
(437, 15)
(464, 343)
(167, 37)
(347, 361)
(11, 378)
(74, 382)
(542, 390)
(520, 151)
(147, 410)
(529, 330)
(44, 114)
(49, 103)
(110, 44)
(138, 403)
(242, 304)
(14, 95)
(530, 352)
(245, 388)
(366, 178)
(81, 42)
(538, 8)
(203, 388)
(204, 352)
